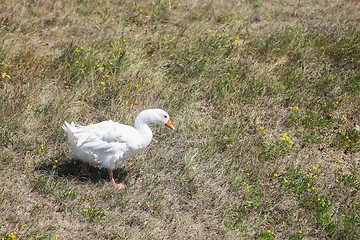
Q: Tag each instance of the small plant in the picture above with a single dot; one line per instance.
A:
(353, 83)
(235, 221)
(3, 73)
(93, 214)
(41, 183)
(315, 203)
(268, 235)
(297, 180)
(350, 179)
(274, 151)
(69, 194)
(123, 203)
(348, 139)
(315, 119)
(253, 196)
(296, 236)
(11, 235)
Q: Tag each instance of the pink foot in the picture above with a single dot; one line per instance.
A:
(117, 185)
(120, 185)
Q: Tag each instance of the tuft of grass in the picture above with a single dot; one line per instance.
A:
(93, 214)
(274, 150)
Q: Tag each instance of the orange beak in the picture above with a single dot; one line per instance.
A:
(169, 125)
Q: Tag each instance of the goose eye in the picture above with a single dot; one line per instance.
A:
(165, 116)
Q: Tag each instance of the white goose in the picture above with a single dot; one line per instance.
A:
(107, 142)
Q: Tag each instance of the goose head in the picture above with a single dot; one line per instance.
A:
(157, 116)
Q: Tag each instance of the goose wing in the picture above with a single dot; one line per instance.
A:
(108, 132)
(103, 143)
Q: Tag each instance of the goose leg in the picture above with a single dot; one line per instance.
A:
(83, 168)
(117, 185)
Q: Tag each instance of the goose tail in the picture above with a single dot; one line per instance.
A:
(70, 130)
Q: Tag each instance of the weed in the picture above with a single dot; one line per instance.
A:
(69, 194)
(235, 221)
(274, 150)
(296, 236)
(3, 73)
(353, 83)
(297, 180)
(93, 214)
(314, 203)
(268, 235)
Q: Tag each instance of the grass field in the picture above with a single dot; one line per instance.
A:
(264, 96)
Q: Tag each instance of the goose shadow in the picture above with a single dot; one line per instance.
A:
(64, 168)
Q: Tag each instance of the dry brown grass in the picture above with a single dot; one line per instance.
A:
(219, 68)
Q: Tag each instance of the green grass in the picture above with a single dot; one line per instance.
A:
(265, 102)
